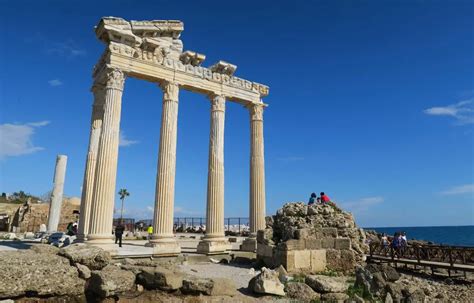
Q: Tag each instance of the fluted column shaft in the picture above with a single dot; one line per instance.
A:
(103, 197)
(257, 169)
(91, 160)
(57, 194)
(165, 180)
(215, 177)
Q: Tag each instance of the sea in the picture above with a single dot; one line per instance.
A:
(445, 235)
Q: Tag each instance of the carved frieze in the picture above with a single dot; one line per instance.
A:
(115, 78)
(170, 91)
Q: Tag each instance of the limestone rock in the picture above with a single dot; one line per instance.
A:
(267, 282)
(334, 297)
(84, 271)
(27, 272)
(91, 256)
(282, 273)
(45, 249)
(160, 278)
(374, 279)
(415, 297)
(210, 287)
(325, 284)
(301, 291)
(109, 281)
(388, 298)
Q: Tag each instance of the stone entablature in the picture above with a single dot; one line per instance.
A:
(152, 50)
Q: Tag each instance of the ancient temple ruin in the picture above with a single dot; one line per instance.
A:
(153, 51)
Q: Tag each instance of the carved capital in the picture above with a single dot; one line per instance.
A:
(256, 111)
(170, 91)
(115, 79)
(217, 102)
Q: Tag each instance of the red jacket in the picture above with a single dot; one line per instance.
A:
(325, 198)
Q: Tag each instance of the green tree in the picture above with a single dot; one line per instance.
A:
(123, 194)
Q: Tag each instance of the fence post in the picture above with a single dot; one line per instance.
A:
(239, 225)
(228, 224)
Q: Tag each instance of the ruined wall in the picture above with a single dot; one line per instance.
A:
(311, 238)
(29, 217)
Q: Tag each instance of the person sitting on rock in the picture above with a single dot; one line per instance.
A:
(312, 199)
(324, 198)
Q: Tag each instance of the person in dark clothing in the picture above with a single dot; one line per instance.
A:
(119, 233)
(312, 199)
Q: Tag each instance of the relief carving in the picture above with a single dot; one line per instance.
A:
(256, 112)
(115, 79)
(170, 91)
(217, 103)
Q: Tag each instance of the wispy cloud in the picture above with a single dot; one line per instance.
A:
(16, 139)
(462, 112)
(459, 190)
(55, 82)
(363, 204)
(124, 141)
(67, 48)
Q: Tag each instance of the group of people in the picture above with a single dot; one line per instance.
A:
(323, 198)
(399, 240)
(71, 229)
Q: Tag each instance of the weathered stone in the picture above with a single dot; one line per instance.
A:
(109, 281)
(312, 243)
(294, 245)
(84, 271)
(342, 243)
(282, 273)
(325, 284)
(25, 272)
(93, 257)
(327, 243)
(297, 259)
(415, 297)
(394, 290)
(318, 260)
(301, 291)
(265, 236)
(388, 298)
(264, 250)
(45, 249)
(340, 260)
(302, 234)
(267, 282)
(334, 297)
(210, 287)
(160, 278)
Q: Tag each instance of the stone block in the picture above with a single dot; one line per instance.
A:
(264, 250)
(318, 260)
(327, 243)
(265, 235)
(302, 259)
(325, 232)
(312, 243)
(294, 245)
(302, 234)
(342, 243)
(233, 240)
(340, 260)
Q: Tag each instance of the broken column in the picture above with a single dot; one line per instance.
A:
(57, 195)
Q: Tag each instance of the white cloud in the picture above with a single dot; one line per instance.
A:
(124, 141)
(55, 82)
(462, 112)
(133, 212)
(67, 48)
(458, 190)
(179, 210)
(16, 139)
(363, 204)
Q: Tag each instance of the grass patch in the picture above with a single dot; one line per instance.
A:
(359, 291)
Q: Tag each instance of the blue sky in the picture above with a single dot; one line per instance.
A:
(371, 102)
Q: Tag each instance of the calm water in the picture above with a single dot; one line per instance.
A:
(448, 235)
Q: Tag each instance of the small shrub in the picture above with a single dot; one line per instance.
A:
(360, 291)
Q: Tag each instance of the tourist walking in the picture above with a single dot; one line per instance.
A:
(324, 198)
(150, 231)
(312, 199)
(384, 240)
(119, 233)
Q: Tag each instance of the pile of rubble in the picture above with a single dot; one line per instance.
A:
(311, 238)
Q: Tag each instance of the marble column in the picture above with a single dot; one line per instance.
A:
(103, 196)
(257, 176)
(162, 240)
(57, 194)
(91, 160)
(214, 240)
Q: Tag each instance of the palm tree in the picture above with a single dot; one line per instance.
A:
(123, 193)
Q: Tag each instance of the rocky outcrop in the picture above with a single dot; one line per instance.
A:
(209, 287)
(301, 291)
(325, 284)
(160, 278)
(45, 249)
(267, 282)
(93, 257)
(109, 281)
(27, 273)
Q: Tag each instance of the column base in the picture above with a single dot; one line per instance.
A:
(164, 247)
(211, 246)
(100, 239)
(80, 239)
(249, 244)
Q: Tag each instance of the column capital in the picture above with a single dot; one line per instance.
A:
(115, 78)
(170, 91)
(217, 102)
(256, 111)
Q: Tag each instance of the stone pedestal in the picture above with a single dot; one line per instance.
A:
(57, 194)
(91, 160)
(103, 198)
(249, 244)
(162, 240)
(214, 240)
